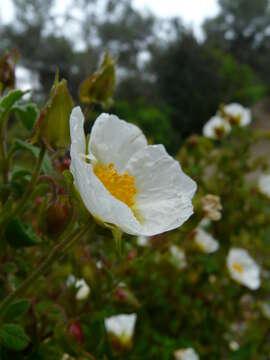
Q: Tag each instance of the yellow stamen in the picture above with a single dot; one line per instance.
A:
(120, 186)
(234, 119)
(238, 267)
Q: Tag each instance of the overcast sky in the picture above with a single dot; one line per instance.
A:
(193, 12)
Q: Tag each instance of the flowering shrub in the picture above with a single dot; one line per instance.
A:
(106, 260)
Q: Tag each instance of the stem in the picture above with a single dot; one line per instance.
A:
(55, 254)
(31, 184)
(117, 235)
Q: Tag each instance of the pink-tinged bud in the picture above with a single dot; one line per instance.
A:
(58, 215)
(121, 294)
(193, 140)
(75, 331)
(132, 254)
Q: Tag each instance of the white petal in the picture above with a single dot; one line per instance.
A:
(121, 324)
(264, 184)
(99, 201)
(216, 122)
(235, 109)
(77, 132)
(114, 141)
(250, 276)
(206, 241)
(164, 192)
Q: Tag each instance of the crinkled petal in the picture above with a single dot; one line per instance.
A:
(76, 131)
(114, 141)
(164, 192)
(99, 201)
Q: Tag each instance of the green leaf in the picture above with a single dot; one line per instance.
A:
(27, 114)
(13, 337)
(10, 99)
(18, 235)
(16, 309)
(46, 164)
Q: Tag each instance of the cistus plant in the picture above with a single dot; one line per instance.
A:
(106, 253)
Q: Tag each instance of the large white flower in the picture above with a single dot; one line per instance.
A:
(205, 241)
(124, 182)
(243, 268)
(121, 326)
(236, 114)
(216, 128)
(264, 184)
(186, 354)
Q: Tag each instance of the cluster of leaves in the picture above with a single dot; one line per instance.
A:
(198, 306)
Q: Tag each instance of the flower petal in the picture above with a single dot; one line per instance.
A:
(164, 192)
(99, 201)
(76, 131)
(114, 141)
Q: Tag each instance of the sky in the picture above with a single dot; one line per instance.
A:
(192, 12)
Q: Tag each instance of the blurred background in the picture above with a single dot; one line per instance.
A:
(177, 60)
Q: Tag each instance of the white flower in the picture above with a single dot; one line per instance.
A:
(178, 257)
(212, 207)
(83, 289)
(124, 182)
(121, 326)
(80, 284)
(264, 184)
(234, 346)
(243, 268)
(186, 354)
(236, 114)
(143, 240)
(205, 241)
(216, 128)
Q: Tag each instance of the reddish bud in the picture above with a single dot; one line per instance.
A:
(75, 331)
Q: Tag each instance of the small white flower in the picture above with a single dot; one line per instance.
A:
(143, 240)
(236, 114)
(234, 346)
(264, 184)
(243, 268)
(178, 257)
(212, 207)
(83, 289)
(205, 241)
(216, 128)
(121, 326)
(80, 284)
(186, 354)
(124, 182)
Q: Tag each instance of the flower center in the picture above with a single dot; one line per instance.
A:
(238, 267)
(219, 131)
(120, 186)
(234, 119)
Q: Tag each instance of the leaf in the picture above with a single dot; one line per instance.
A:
(27, 114)
(10, 99)
(46, 164)
(13, 337)
(98, 88)
(16, 309)
(18, 235)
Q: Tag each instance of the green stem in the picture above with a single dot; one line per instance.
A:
(117, 235)
(55, 254)
(31, 184)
